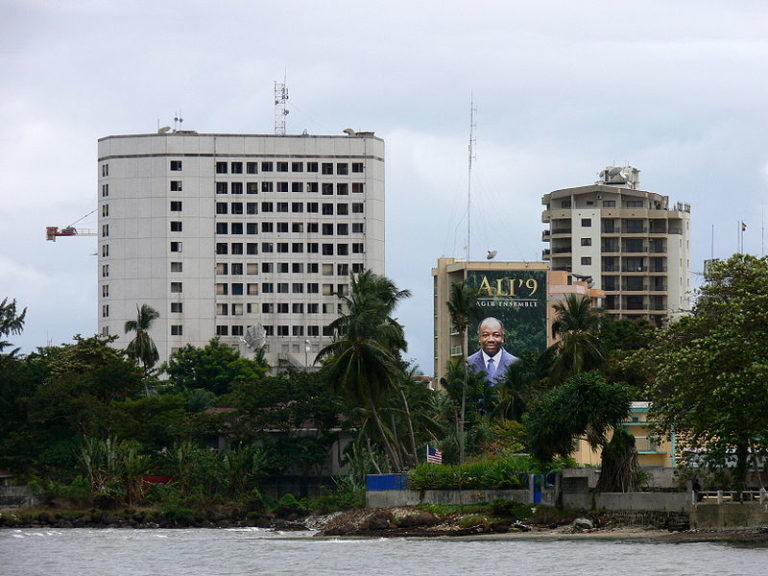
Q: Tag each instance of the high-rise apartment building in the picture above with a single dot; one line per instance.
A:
(246, 237)
(629, 242)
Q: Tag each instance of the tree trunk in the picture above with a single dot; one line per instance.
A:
(391, 453)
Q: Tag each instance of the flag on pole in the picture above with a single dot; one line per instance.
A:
(434, 455)
(743, 226)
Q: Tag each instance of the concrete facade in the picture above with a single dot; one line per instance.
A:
(630, 242)
(225, 232)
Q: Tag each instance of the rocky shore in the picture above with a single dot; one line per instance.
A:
(402, 522)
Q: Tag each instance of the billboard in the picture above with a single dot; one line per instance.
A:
(518, 300)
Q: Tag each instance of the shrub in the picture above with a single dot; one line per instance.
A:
(492, 474)
(288, 505)
(511, 509)
(178, 514)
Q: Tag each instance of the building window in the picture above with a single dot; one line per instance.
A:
(327, 229)
(586, 241)
(297, 288)
(252, 288)
(222, 330)
(237, 289)
(222, 289)
(237, 330)
(282, 247)
(222, 248)
(297, 247)
(105, 250)
(565, 204)
(313, 187)
(313, 288)
(267, 247)
(175, 226)
(342, 229)
(105, 230)
(358, 187)
(221, 167)
(222, 228)
(358, 167)
(267, 207)
(175, 165)
(176, 246)
(327, 249)
(237, 248)
(586, 222)
(252, 248)
(313, 308)
(175, 205)
(357, 208)
(267, 288)
(237, 167)
(358, 228)
(251, 228)
(267, 167)
(342, 189)
(297, 207)
(342, 249)
(221, 208)
(237, 188)
(282, 166)
(282, 227)
(327, 168)
(176, 287)
(251, 167)
(221, 187)
(252, 187)
(237, 268)
(222, 310)
(177, 307)
(105, 210)
(222, 268)
(177, 266)
(236, 207)
(586, 261)
(312, 207)
(282, 206)
(267, 186)
(297, 308)
(342, 168)
(312, 227)
(357, 248)
(105, 170)
(609, 203)
(105, 311)
(297, 167)
(297, 187)
(252, 208)
(105, 291)
(237, 227)
(313, 247)
(251, 268)
(104, 190)
(327, 209)
(311, 166)
(327, 189)
(175, 185)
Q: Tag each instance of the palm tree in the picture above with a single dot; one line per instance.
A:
(364, 357)
(462, 307)
(142, 347)
(578, 348)
(10, 322)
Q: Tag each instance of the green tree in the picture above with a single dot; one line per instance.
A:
(216, 367)
(462, 307)
(578, 347)
(362, 362)
(11, 322)
(142, 347)
(708, 373)
(585, 405)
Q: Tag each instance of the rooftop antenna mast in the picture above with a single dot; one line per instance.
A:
(472, 126)
(281, 97)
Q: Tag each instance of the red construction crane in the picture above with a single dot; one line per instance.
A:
(52, 232)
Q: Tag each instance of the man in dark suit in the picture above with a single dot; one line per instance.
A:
(491, 359)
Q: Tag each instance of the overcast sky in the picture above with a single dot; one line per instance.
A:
(562, 89)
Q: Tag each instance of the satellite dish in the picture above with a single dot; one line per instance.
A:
(491, 254)
(349, 131)
(163, 130)
(255, 337)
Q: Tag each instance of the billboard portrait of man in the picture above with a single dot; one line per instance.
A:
(491, 358)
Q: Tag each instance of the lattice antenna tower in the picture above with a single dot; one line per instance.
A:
(471, 147)
(281, 98)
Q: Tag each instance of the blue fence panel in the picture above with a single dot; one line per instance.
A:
(379, 482)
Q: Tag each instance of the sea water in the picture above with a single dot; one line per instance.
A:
(229, 552)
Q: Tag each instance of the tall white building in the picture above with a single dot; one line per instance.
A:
(237, 236)
(629, 242)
